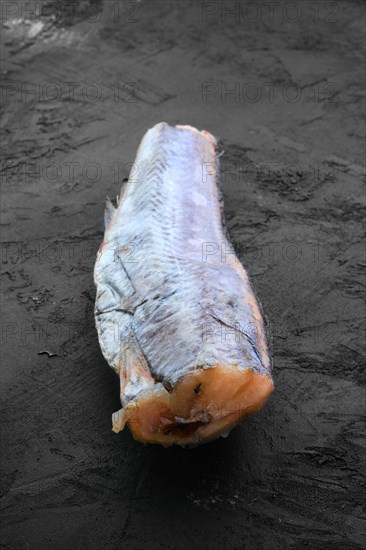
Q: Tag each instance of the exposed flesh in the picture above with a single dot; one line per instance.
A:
(176, 314)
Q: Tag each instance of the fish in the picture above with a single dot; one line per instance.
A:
(176, 314)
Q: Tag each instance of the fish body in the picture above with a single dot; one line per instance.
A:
(176, 315)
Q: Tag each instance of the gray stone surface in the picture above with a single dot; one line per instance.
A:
(80, 87)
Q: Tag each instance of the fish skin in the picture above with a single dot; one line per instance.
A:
(171, 292)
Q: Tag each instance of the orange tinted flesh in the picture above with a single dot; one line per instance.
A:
(202, 406)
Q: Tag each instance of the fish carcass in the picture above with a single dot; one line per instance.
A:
(175, 312)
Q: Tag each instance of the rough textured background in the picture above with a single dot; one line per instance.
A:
(289, 477)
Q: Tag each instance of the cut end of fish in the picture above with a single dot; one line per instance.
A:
(201, 407)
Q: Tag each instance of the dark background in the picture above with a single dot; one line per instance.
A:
(82, 82)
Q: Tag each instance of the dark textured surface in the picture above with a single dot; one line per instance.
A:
(289, 477)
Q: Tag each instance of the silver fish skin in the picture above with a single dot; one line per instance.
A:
(172, 297)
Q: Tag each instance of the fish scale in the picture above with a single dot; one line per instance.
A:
(173, 300)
